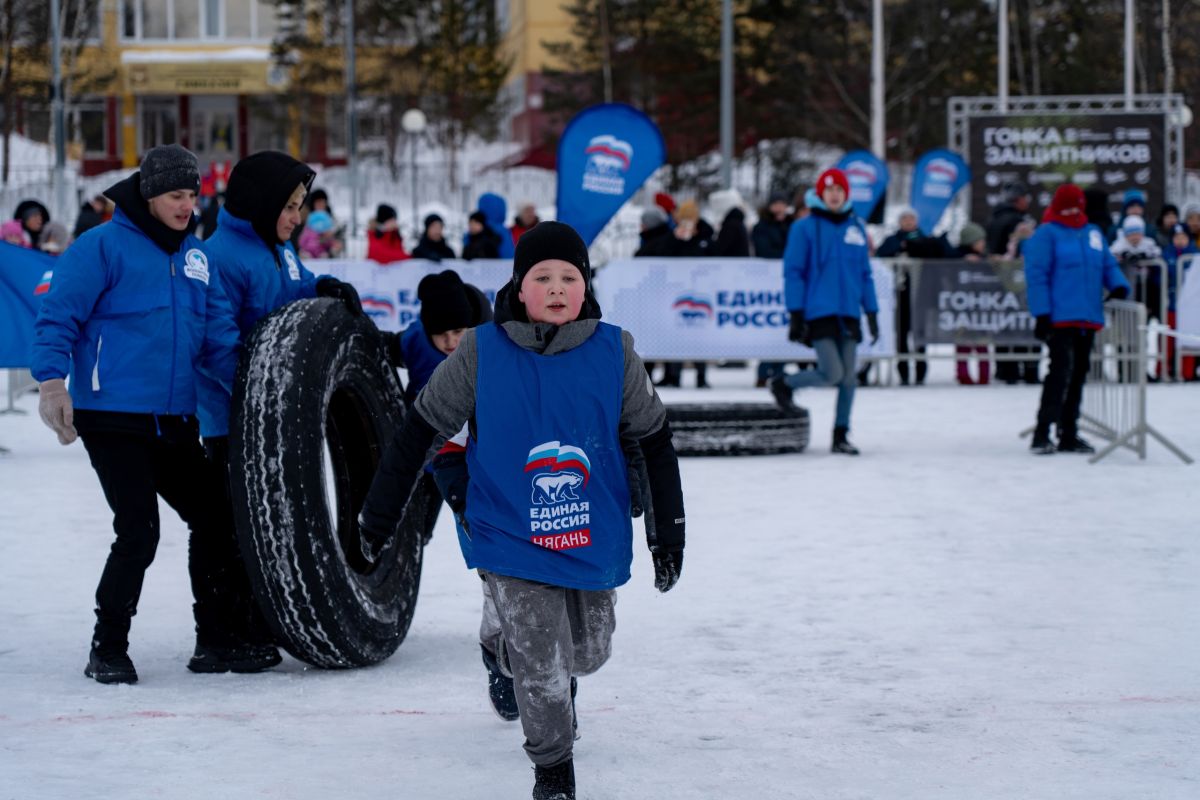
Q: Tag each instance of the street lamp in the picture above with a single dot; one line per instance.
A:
(413, 122)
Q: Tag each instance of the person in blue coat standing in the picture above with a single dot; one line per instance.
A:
(827, 286)
(1068, 267)
(549, 394)
(494, 211)
(134, 308)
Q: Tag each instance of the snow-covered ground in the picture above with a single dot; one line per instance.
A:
(944, 617)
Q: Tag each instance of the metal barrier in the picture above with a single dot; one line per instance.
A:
(1114, 400)
(19, 382)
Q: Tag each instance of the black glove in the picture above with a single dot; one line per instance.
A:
(340, 290)
(873, 326)
(1119, 293)
(1042, 328)
(452, 479)
(797, 327)
(667, 567)
(391, 343)
(373, 543)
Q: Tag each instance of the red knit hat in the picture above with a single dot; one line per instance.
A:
(665, 202)
(832, 177)
(1067, 197)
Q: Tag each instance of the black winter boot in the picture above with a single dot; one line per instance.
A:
(841, 444)
(233, 658)
(500, 689)
(110, 666)
(782, 393)
(555, 783)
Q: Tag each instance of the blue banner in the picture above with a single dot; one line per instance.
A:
(24, 279)
(937, 177)
(868, 177)
(605, 154)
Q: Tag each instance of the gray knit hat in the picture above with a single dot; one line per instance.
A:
(168, 168)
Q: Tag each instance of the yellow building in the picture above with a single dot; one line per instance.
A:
(527, 25)
(201, 73)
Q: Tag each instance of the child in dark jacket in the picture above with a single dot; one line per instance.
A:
(549, 394)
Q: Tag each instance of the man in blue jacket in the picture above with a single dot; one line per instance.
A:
(827, 284)
(134, 307)
(1068, 267)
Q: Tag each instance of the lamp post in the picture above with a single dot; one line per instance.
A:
(413, 122)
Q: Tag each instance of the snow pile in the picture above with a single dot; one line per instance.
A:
(944, 617)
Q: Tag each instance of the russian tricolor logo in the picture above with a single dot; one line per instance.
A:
(43, 285)
(557, 457)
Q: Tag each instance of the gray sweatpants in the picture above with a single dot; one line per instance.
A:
(542, 635)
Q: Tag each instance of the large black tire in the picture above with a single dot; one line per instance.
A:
(736, 429)
(315, 403)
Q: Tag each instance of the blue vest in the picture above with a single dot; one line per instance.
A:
(548, 499)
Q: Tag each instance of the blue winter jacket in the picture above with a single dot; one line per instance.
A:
(256, 281)
(827, 268)
(496, 211)
(131, 324)
(421, 358)
(1067, 271)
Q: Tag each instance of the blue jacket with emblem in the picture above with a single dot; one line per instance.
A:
(421, 358)
(131, 323)
(826, 266)
(256, 282)
(1067, 271)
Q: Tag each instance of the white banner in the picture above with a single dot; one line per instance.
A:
(677, 309)
(1187, 307)
(718, 308)
(389, 292)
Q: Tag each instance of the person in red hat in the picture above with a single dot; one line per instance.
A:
(1067, 268)
(827, 285)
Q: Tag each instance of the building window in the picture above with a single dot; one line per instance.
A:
(158, 122)
(88, 126)
(191, 20)
(154, 18)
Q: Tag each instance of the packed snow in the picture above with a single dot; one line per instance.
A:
(945, 616)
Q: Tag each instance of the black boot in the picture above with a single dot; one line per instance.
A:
(555, 783)
(233, 658)
(1075, 444)
(110, 666)
(1042, 446)
(841, 444)
(782, 394)
(500, 689)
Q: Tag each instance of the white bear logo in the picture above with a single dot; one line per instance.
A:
(195, 265)
(555, 487)
(293, 267)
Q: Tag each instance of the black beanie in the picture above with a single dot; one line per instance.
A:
(480, 217)
(432, 218)
(444, 303)
(547, 240)
(168, 168)
(259, 188)
(384, 212)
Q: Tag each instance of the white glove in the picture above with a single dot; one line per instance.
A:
(55, 409)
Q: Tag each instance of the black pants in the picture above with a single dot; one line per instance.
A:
(1062, 391)
(1013, 371)
(134, 470)
(903, 329)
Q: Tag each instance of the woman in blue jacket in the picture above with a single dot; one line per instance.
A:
(1067, 268)
(827, 285)
(258, 266)
(259, 271)
(133, 308)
